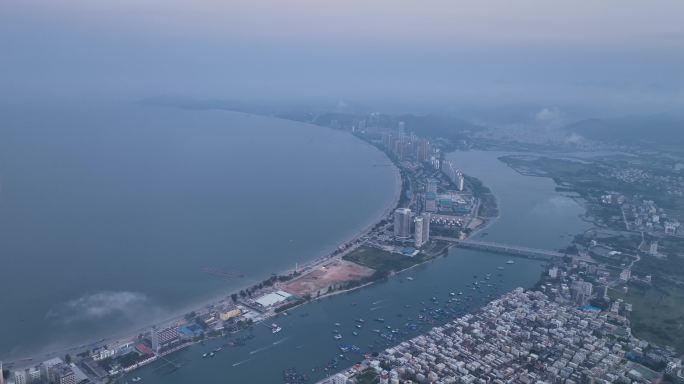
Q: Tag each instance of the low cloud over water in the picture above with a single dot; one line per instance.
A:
(99, 306)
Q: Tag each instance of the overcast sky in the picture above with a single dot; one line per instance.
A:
(623, 54)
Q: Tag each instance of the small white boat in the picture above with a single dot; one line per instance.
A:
(337, 336)
(510, 262)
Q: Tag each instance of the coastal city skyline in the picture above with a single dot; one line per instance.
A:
(342, 192)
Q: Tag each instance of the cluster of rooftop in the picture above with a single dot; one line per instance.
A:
(645, 215)
(522, 337)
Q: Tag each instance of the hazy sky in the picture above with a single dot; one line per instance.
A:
(623, 54)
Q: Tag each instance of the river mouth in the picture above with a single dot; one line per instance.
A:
(531, 212)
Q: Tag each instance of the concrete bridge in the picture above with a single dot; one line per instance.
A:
(509, 249)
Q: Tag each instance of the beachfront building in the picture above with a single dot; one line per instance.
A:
(272, 299)
(20, 377)
(421, 229)
(229, 312)
(33, 374)
(418, 231)
(61, 374)
(426, 226)
(402, 223)
(160, 338)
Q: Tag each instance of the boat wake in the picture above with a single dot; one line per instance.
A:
(260, 349)
(241, 362)
(280, 341)
(268, 346)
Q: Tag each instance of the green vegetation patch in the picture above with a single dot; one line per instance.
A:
(667, 270)
(436, 248)
(488, 204)
(657, 313)
(382, 261)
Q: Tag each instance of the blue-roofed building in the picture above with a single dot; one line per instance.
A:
(190, 331)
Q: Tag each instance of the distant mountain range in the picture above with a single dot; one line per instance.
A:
(666, 131)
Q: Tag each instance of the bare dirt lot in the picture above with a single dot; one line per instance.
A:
(332, 274)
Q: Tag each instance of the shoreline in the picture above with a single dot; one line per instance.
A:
(327, 256)
(176, 315)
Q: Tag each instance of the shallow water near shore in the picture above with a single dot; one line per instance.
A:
(111, 218)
